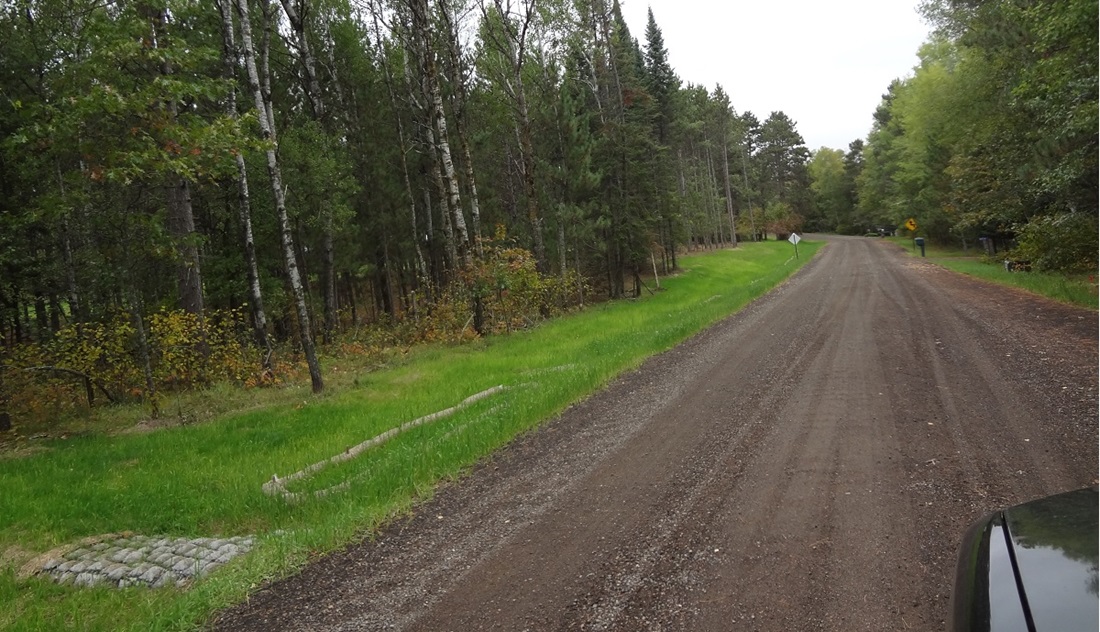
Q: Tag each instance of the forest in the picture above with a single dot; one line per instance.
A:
(196, 192)
(193, 189)
(993, 135)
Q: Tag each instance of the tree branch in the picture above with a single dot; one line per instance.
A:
(89, 381)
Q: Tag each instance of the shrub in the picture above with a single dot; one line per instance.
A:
(41, 380)
(1065, 242)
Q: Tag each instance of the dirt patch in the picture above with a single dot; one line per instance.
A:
(34, 563)
(15, 557)
(808, 464)
(145, 426)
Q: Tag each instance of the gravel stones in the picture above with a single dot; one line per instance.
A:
(137, 560)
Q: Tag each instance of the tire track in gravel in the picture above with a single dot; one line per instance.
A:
(646, 607)
(964, 434)
(813, 474)
(625, 528)
(808, 464)
(946, 343)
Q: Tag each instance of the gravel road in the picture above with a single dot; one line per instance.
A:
(808, 464)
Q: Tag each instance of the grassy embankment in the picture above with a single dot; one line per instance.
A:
(1074, 289)
(205, 479)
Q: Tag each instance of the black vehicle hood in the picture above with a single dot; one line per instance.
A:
(1030, 568)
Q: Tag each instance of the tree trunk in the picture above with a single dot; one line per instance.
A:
(296, 11)
(404, 146)
(76, 315)
(244, 211)
(683, 199)
(434, 256)
(181, 218)
(41, 317)
(55, 313)
(442, 148)
(265, 63)
(534, 215)
(72, 290)
(454, 202)
(672, 245)
(181, 225)
(444, 205)
(304, 334)
(458, 99)
(144, 357)
(729, 193)
(561, 245)
(580, 277)
(328, 251)
(748, 199)
(712, 206)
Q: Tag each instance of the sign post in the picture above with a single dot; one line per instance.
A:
(911, 224)
(794, 239)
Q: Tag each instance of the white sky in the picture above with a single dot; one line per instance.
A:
(825, 63)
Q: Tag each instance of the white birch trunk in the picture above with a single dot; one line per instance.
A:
(244, 213)
(304, 333)
(430, 81)
(458, 87)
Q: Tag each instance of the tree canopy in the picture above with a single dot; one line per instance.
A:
(307, 167)
(995, 133)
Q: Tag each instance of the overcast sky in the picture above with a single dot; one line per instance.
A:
(825, 63)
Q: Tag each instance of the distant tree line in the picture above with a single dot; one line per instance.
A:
(320, 164)
(994, 135)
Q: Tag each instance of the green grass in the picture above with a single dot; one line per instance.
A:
(1074, 289)
(205, 479)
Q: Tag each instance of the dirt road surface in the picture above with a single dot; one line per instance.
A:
(808, 464)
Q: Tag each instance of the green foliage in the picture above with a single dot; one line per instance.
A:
(661, 81)
(189, 351)
(1065, 242)
(109, 107)
(512, 295)
(781, 220)
(321, 168)
(996, 132)
(103, 350)
(137, 125)
(185, 352)
(832, 199)
(783, 156)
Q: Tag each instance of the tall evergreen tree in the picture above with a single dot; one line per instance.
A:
(782, 159)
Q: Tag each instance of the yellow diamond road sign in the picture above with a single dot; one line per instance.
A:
(911, 224)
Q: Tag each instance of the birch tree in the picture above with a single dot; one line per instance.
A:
(265, 118)
(428, 75)
(244, 199)
(506, 32)
(458, 73)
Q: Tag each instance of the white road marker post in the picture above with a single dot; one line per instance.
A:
(794, 239)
